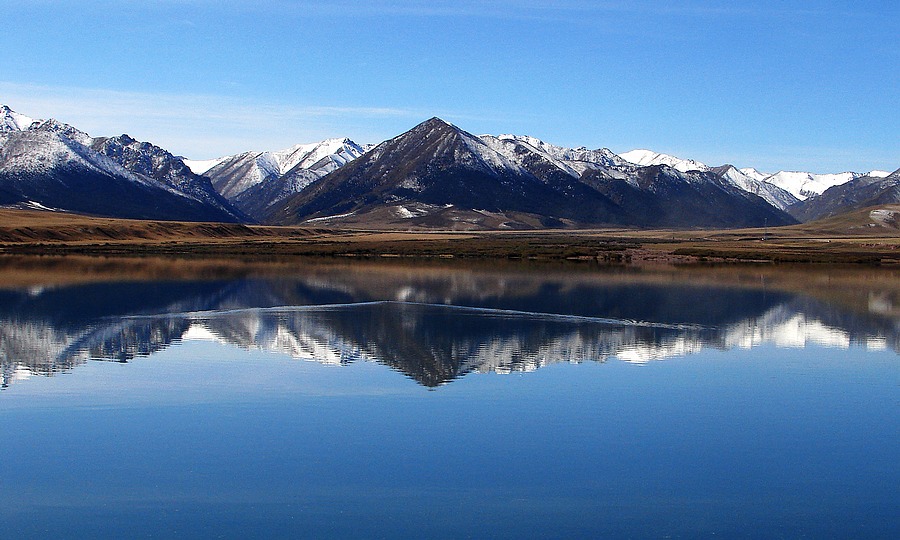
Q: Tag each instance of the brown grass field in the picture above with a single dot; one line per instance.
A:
(860, 237)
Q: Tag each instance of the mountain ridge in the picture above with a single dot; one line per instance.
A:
(505, 181)
(51, 165)
(436, 166)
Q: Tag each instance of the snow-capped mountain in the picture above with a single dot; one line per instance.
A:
(772, 194)
(660, 196)
(649, 157)
(235, 174)
(254, 181)
(861, 192)
(784, 189)
(781, 189)
(435, 175)
(439, 175)
(804, 185)
(453, 171)
(578, 159)
(149, 160)
(322, 157)
(51, 165)
(10, 120)
(754, 174)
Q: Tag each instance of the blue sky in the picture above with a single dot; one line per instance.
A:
(777, 85)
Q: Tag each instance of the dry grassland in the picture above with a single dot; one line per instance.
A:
(849, 239)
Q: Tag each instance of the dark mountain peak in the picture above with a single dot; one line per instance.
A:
(894, 175)
(722, 169)
(433, 143)
(436, 166)
(434, 121)
(126, 139)
(431, 128)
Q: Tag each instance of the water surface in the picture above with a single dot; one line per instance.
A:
(452, 401)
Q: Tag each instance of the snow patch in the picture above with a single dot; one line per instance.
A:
(890, 218)
(326, 218)
(648, 157)
(39, 206)
(200, 166)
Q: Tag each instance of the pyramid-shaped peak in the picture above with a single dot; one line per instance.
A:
(431, 129)
(435, 123)
(434, 120)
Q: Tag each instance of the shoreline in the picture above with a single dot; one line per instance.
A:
(45, 233)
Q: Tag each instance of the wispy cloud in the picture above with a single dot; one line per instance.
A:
(202, 125)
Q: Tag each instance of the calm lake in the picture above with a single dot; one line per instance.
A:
(448, 400)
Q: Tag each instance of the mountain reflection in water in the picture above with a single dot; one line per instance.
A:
(432, 330)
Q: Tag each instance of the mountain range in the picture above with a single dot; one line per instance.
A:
(435, 175)
(45, 164)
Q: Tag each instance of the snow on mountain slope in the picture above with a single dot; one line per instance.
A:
(54, 165)
(649, 157)
(232, 176)
(39, 151)
(541, 158)
(151, 161)
(878, 174)
(236, 174)
(324, 156)
(438, 164)
(40, 169)
(754, 174)
(200, 166)
(64, 130)
(10, 120)
(774, 195)
(485, 158)
(804, 185)
(800, 185)
(602, 156)
(523, 154)
(856, 194)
